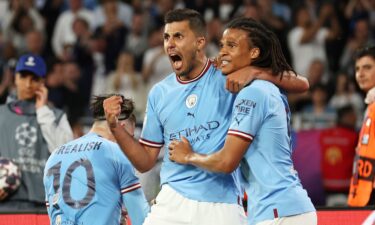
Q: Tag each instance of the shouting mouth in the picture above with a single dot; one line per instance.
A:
(176, 61)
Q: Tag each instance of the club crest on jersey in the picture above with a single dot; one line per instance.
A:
(191, 100)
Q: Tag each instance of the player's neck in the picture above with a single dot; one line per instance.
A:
(103, 130)
(199, 65)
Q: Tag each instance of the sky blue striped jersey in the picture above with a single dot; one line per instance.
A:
(199, 110)
(88, 180)
(261, 114)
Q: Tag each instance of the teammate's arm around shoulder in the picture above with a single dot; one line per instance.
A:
(142, 157)
(290, 81)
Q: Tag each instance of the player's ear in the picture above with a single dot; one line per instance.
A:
(254, 52)
(201, 43)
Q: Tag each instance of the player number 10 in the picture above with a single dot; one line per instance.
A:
(55, 172)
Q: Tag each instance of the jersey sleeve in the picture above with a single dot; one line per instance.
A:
(152, 132)
(133, 196)
(137, 206)
(128, 180)
(248, 113)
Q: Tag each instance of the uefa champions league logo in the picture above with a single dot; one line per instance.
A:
(26, 136)
(30, 61)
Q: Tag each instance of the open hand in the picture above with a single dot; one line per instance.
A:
(180, 151)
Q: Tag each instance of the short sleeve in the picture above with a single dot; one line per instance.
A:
(152, 132)
(248, 113)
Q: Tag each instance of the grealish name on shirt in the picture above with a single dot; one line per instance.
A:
(66, 149)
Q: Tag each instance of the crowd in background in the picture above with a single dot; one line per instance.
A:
(113, 46)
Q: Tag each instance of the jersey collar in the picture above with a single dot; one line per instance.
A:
(205, 68)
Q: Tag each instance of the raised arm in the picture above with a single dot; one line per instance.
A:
(290, 82)
(226, 160)
(142, 157)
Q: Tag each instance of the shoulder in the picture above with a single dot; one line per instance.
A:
(259, 90)
(261, 87)
(163, 86)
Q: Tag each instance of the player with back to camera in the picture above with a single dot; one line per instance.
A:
(259, 135)
(191, 102)
(88, 179)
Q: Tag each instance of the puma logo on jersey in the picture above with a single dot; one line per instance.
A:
(190, 114)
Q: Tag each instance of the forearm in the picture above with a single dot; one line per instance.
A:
(290, 82)
(50, 128)
(137, 206)
(214, 162)
(141, 158)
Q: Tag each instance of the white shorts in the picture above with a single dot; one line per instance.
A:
(171, 208)
(309, 218)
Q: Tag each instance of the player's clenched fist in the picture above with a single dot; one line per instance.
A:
(112, 109)
(180, 151)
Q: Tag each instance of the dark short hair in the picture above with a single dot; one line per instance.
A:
(366, 51)
(132, 118)
(97, 109)
(196, 21)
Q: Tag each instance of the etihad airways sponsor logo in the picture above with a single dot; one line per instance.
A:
(195, 130)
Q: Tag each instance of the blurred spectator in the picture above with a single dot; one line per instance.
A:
(63, 34)
(136, 40)
(214, 33)
(155, 62)
(114, 33)
(315, 76)
(276, 16)
(360, 38)
(307, 40)
(318, 114)
(21, 18)
(30, 134)
(126, 81)
(35, 42)
(345, 94)
(124, 12)
(82, 55)
(50, 11)
(63, 82)
(7, 79)
(357, 9)
(337, 154)
(157, 9)
(250, 10)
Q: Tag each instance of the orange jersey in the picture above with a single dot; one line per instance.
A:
(362, 181)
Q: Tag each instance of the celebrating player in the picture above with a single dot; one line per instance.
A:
(89, 179)
(259, 135)
(191, 102)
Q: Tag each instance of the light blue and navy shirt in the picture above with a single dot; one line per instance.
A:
(199, 110)
(88, 180)
(261, 115)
